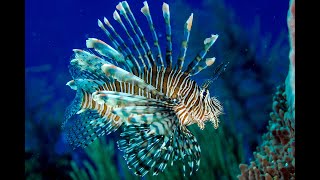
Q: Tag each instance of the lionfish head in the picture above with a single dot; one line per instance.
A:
(211, 105)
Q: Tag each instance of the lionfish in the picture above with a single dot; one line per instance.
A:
(154, 101)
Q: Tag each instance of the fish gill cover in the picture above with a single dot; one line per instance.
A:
(244, 95)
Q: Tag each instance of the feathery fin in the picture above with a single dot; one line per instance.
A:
(89, 125)
(73, 108)
(145, 149)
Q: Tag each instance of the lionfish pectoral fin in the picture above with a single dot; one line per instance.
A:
(148, 147)
(86, 127)
(141, 114)
(87, 85)
(87, 66)
(187, 147)
(113, 98)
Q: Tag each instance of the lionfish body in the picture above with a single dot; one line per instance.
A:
(132, 87)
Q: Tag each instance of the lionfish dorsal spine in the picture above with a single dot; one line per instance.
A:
(137, 69)
(104, 49)
(184, 43)
(166, 16)
(208, 42)
(199, 68)
(144, 40)
(118, 47)
(146, 11)
(144, 52)
(117, 17)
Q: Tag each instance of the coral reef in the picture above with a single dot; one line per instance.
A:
(275, 157)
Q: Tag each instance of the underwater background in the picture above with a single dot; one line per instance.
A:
(253, 38)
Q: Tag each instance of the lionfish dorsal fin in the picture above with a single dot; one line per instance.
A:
(127, 51)
(184, 43)
(124, 6)
(146, 11)
(146, 59)
(166, 16)
(208, 42)
(117, 17)
(208, 62)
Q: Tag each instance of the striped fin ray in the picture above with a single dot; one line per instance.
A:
(191, 150)
(73, 108)
(145, 10)
(87, 85)
(140, 114)
(144, 40)
(89, 125)
(124, 99)
(116, 17)
(105, 50)
(129, 62)
(184, 44)
(124, 76)
(122, 43)
(208, 42)
(124, 14)
(166, 15)
(87, 66)
(199, 68)
(147, 149)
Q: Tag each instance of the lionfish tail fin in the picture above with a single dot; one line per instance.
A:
(75, 105)
(87, 126)
(148, 147)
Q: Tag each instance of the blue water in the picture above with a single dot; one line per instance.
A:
(54, 28)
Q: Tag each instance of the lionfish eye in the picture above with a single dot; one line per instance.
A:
(204, 94)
